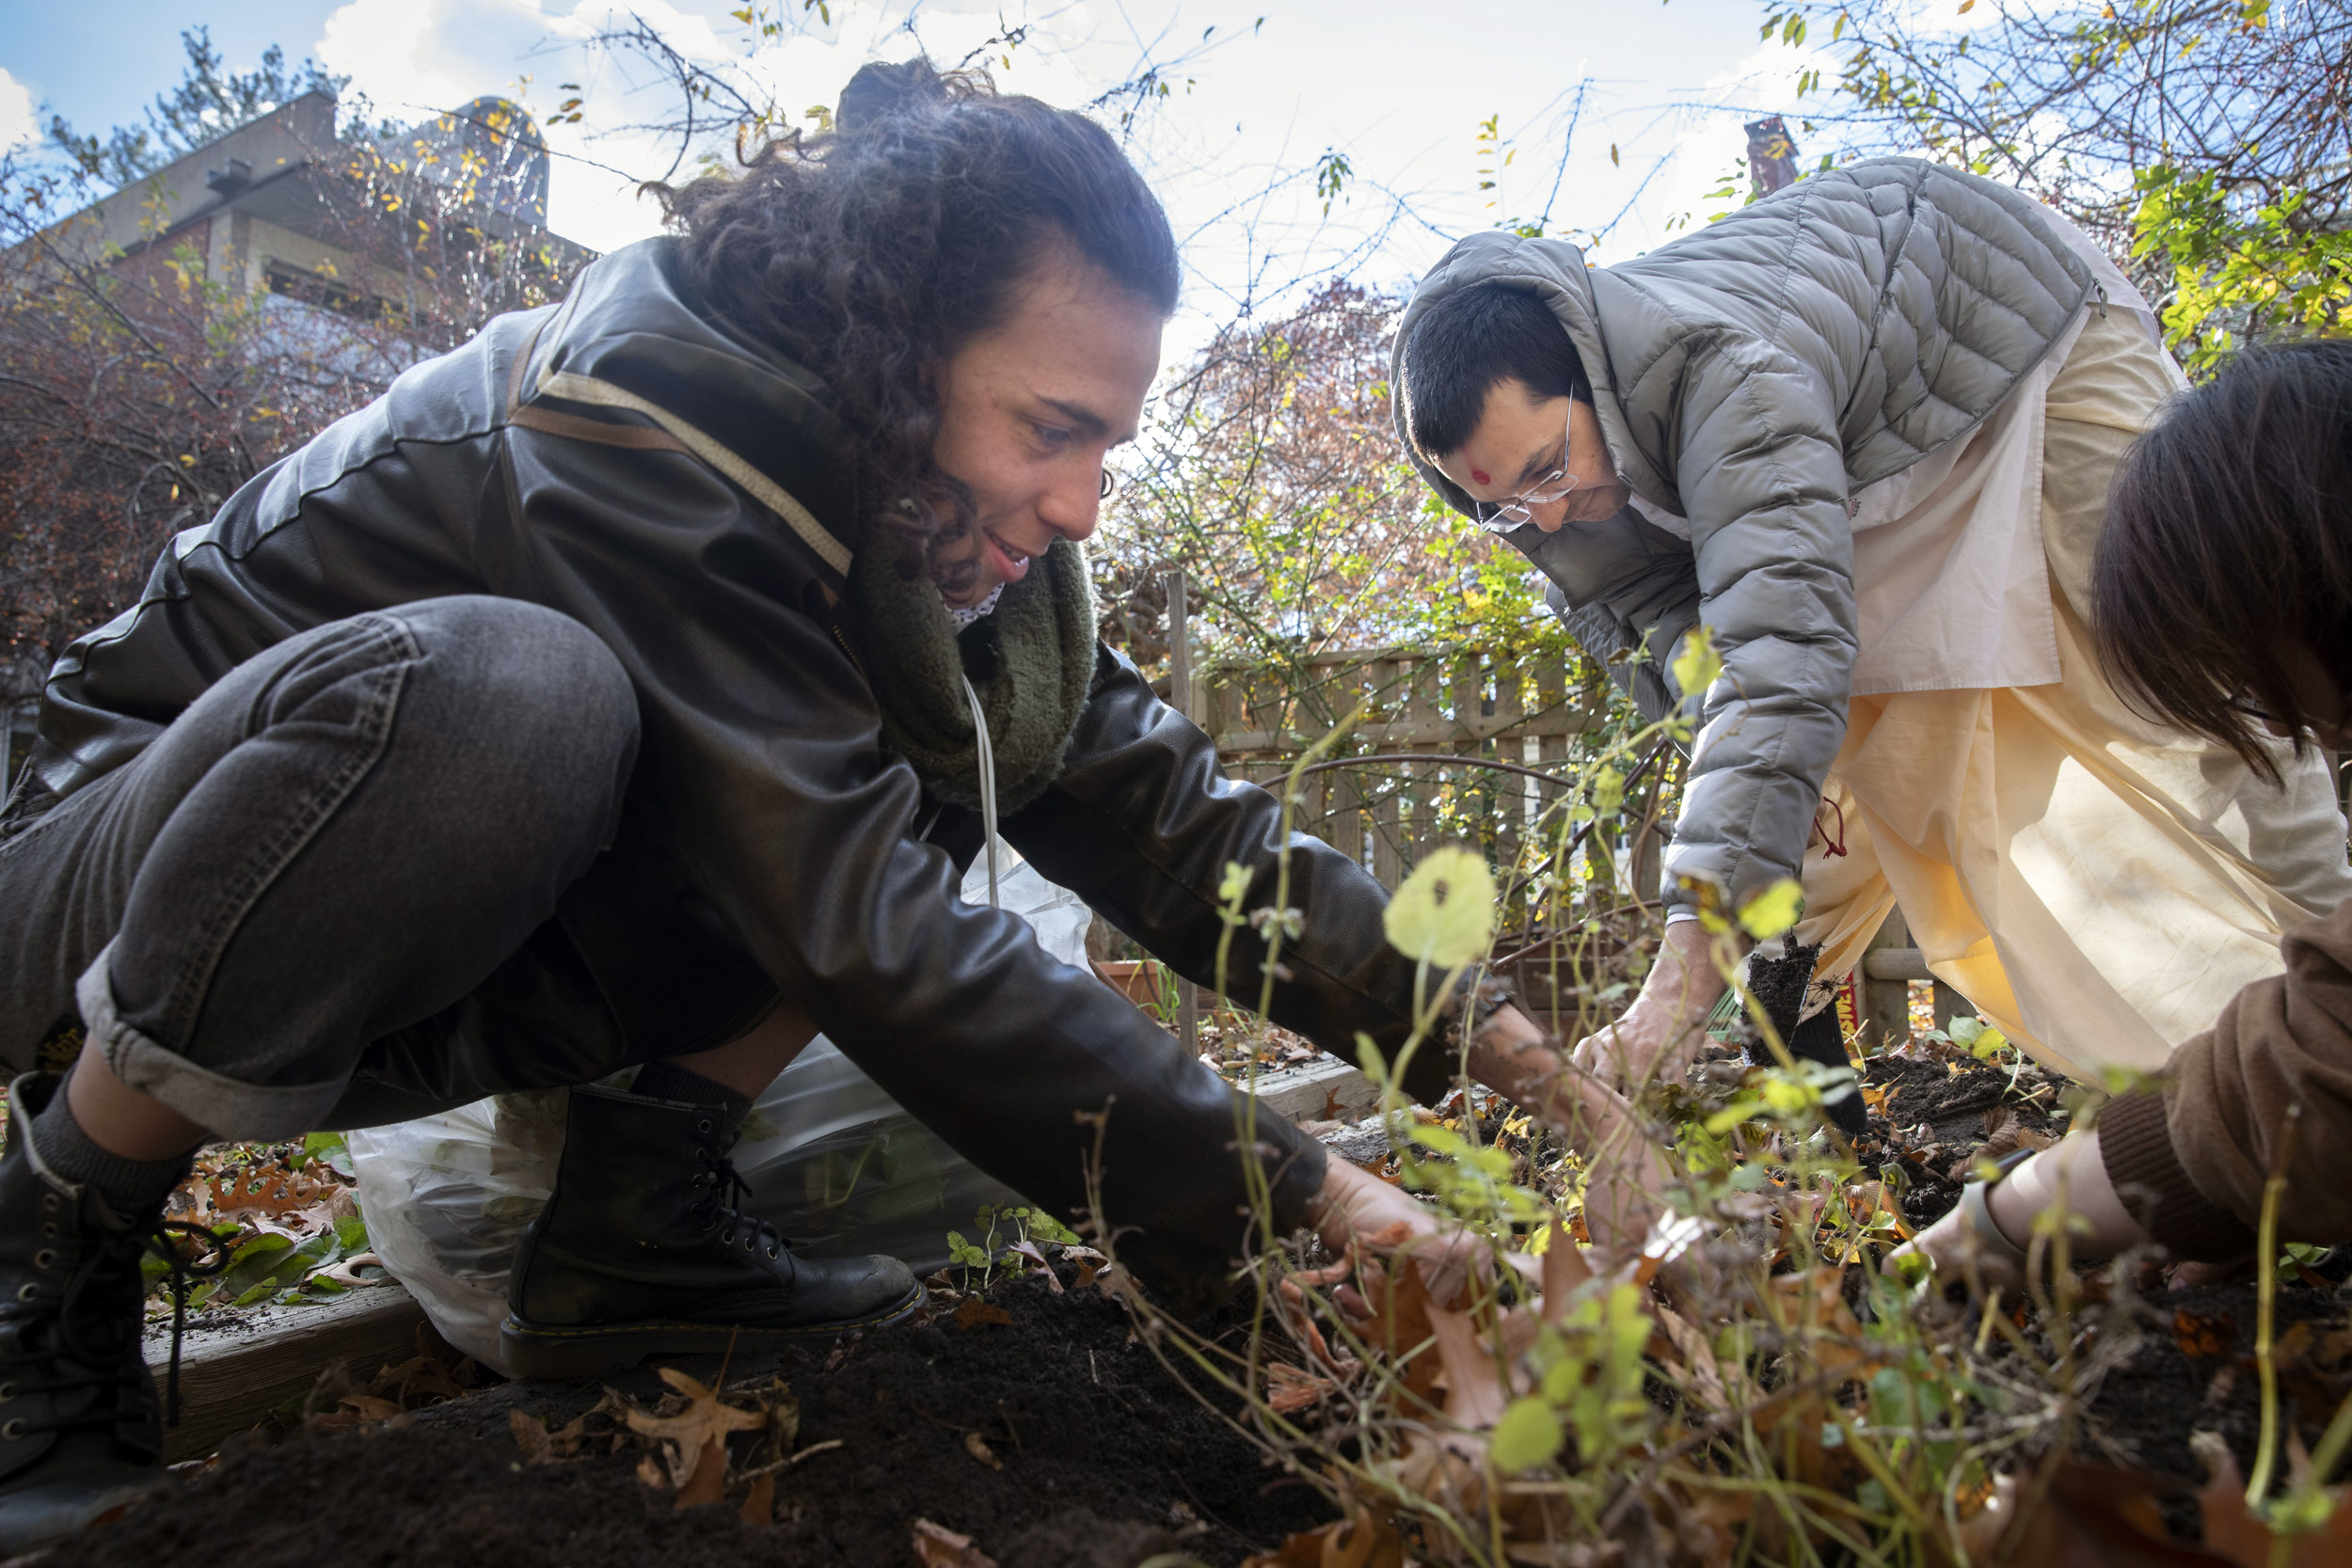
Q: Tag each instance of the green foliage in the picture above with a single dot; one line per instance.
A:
(1021, 1224)
(329, 1150)
(2200, 141)
(2242, 267)
(270, 1266)
(1696, 664)
(1529, 1434)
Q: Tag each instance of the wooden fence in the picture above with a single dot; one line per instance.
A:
(1382, 802)
(1447, 745)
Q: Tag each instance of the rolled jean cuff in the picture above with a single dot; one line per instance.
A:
(224, 1107)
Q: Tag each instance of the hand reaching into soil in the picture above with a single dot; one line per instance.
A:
(1627, 1172)
(2072, 1178)
(1357, 1209)
(1658, 1036)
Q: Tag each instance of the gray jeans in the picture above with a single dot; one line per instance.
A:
(347, 858)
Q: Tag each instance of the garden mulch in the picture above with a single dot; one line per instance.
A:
(1053, 1439)
(1088, 1453)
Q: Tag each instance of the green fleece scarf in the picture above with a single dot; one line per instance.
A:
(1043, 631)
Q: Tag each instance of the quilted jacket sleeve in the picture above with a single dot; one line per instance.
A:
(1763, 480)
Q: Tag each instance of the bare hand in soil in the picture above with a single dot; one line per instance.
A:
(1357, 1210)
(1951, 1252)
(2068, 1183)
(1660, 1033)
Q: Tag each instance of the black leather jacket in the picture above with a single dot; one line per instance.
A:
(623, 460)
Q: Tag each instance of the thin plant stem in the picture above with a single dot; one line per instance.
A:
(2265, 1302)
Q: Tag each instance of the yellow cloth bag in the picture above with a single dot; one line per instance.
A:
(2095, 884)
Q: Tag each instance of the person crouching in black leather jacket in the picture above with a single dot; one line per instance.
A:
(604, 695)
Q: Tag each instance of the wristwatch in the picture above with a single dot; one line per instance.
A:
(1976, 1216)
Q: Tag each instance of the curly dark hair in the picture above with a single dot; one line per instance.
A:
(871, 252)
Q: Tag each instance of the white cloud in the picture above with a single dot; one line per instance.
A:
(18, 125)
(411, 58)
(1713, 139)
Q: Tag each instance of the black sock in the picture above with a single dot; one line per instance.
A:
(668, 1081)
(130, 1187)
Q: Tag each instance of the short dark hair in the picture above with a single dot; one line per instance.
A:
(1467, 342)
(2228, 541)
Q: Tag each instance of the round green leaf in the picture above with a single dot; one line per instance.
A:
(1527, 1435)
(1445, 911)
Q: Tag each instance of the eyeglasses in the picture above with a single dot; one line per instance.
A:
(1519, 510)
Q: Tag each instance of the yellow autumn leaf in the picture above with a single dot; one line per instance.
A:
(1608, 791)
(1446, 913)
(1528, 1435)
(1773, 909)
(1697, 665)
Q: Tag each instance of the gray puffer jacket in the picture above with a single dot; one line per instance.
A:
(1751, 376)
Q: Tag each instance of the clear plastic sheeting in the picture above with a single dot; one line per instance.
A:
(829, 1159)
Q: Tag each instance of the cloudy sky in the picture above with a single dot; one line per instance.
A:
(1399, 88)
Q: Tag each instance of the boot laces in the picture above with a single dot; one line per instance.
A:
(88, 1340)
(725, 1192)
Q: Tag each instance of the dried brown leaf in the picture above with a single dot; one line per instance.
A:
(974, 1313)
(1036, 1254)
(937, 1546)
(705, 1479)
(759, 1504)
(1708, 1375)
(1290, 1388)
(2203, 1334)
(1474, 1392)
(1342, 1543)
(1564, 1272)
(2242, 1540)
(704, 1421)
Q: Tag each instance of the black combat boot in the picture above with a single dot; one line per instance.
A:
(79, 1437)
(640, 1252)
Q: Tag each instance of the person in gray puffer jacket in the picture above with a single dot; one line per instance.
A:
(1860, 431)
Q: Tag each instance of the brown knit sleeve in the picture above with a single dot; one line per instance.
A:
(2278, 1043)
(2136, 1145)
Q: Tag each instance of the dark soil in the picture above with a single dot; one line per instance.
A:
(2190, 1367)
(1105, 1461)
(1939, 1115)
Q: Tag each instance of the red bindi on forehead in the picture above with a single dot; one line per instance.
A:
(1480, 476)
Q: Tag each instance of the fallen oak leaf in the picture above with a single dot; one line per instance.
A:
(759, 1504)
(937, 1546)
(704, 1420)
(531, 1437)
